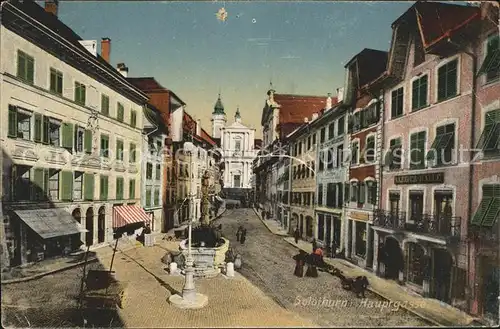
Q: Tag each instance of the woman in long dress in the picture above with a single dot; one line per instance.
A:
(300, 260)
(312, 263)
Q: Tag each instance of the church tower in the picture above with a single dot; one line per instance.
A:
(237, 116)
(218, 119)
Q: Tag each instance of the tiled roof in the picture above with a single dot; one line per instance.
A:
(207, 138)
(294, 108)
(149, 84)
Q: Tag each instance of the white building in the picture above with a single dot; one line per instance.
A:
(238, 150)
(70, 131)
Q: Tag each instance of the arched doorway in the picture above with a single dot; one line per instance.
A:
(101, 224)
(76, 240)
(394, 260)
(301, 225)
(309, 226)
(89, 225)
(441, 275)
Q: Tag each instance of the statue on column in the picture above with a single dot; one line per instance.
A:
(205, 203)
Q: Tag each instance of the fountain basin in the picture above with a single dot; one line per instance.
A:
(207, 261)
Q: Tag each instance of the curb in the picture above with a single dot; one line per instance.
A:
(426, 318)
(57, 270)
(267, 226)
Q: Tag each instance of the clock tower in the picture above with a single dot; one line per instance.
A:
(218, 119)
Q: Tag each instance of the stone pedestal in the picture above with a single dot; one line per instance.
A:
(173, 268)
(193, 302)
(230, 269)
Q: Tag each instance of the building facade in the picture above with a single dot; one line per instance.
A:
(69, 121)
(283, 192)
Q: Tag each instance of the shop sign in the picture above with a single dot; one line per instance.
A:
(359, 216)
(431, 178)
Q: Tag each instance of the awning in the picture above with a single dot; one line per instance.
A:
(125, 215)
(50, 223)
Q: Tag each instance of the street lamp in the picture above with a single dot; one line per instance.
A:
(189, 298)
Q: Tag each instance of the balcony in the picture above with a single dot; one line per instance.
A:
(433, 225)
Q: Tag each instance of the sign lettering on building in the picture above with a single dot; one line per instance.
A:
(432, 178)
(359, 216)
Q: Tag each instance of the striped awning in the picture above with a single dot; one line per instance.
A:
(125, 215)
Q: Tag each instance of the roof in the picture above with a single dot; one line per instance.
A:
(371, 63)
(218, 108)
(189, 126)
(151, 85)
(33, 30)
(207, 138)
(294, 108)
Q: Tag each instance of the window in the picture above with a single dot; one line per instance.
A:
(79, 139)
(418, 51)
(300, 148)
(314, 139)
(148, 196)
(340, 156)
(133, 118)
(417, 150)
(105, 146)
(357, 121)
(237, 182)
(419, 93)
(149, 171)
(347, 190)
(320, 195)
(19, 123)
(362, 192)
(321, 227)
(131, 189)
(21, 183)
(157, 197)
(78, 186)
(416, 205)
(443, 210)
(491, 63)
(56, 81)
(489, 209)
(397, 97)
(330, 158)
(393, 156)
(119, 150)
(105, 105)
(119, 188)
(447, 80)
(354, 153)
(331, 130)
(25, 67)
(132, 155)
(394, 198)
(80, 93)
(372, 192)
(237, 145)
(322, 135)
(54, 184)
(120, 112)
(370, 149)
(354, 192)
(54, 132)
(158, 172)
(309, 143)
(441, 151)
(331, 195)
(341, 125)
(489, 141)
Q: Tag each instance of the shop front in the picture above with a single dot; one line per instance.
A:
(360, 238)
(329, 226)
(129, 220)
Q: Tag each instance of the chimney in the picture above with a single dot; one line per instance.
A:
(51, 6)
(105, 48)
(329, 101)
(123, 69)
(340, 94)
(198, 127)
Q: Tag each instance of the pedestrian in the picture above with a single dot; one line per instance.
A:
(296, 235)
(314, 245)
(311, 261)
(334, 249)
(238, 262)
(238, 233)
(243, 236)
(300, 260)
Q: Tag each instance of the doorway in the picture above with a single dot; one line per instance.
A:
(441, 275)
(89, 225)
(394, 260)
(101, 225)
(328, 238)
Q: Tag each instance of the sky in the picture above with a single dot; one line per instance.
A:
(301, 47)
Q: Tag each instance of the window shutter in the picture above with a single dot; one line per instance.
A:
(38, 184)
(30, 69)
(104, 188)
(374, 193)
(133, 118)
(75, 137)
(67, 135)
(131, 188)
(119, 188)
(362, 193)
(66, 185)
(21, 65)
(492, 213)
(347, 188)
(88, 183)
(45, 130)
(46, 183)
(12, 121)
(38, 128)
(481, 210)
(88, 141)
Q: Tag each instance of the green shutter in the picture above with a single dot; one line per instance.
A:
(148, 197)
(38, 183)
(87, 141)
(38, 128)
(12, 121)
(492, 213)
(30, 69)
(21, 65)
(66, 185)
(45, 130)
(103, 187)
(46, 183)
(88, 184)
(133, 118)
(131, 189)
(119, 188)
(362, 192)
(481, 211)
(67, 135)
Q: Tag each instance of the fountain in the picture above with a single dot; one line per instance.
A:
(208, 247)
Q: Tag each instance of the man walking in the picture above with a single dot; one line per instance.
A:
(243, 236)
(296, 234)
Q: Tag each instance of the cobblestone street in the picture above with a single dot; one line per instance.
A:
(268, 263)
